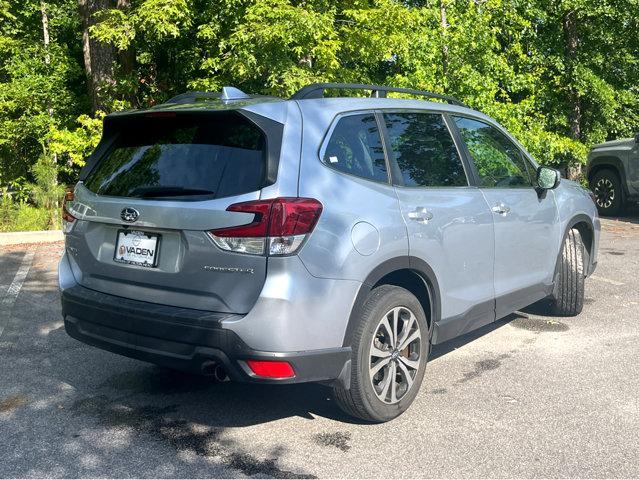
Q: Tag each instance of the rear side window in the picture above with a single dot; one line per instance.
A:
(424, 150)
(355, 147)
(210, 156)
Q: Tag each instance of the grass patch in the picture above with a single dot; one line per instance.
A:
(20, 217)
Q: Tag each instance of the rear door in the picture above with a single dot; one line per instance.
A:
(147, 203)
(449, 224)
(526, 224)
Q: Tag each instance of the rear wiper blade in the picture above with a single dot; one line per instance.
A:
(152, 192)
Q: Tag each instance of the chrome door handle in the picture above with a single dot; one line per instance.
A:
(420, 215)
(502, 209)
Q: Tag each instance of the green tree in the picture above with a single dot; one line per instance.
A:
(560, 74)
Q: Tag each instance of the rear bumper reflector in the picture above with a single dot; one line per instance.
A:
(271, 369)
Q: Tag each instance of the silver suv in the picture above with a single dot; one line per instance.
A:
(315, 239)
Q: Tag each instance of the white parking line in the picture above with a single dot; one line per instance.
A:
(607, 280)
(7, 301)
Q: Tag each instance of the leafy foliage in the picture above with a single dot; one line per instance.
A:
(72, 147)
(18, 217)
(559, 74)
(45, 191)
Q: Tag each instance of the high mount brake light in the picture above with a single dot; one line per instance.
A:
(160, 115)
(279, 227)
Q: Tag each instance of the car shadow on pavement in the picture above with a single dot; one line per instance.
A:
(535, 317)
(451, 345)
(225, 404)
(135, 387)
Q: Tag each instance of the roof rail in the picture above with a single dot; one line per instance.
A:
(228, 93)
(316, 90)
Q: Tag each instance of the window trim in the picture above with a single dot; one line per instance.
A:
(393, 173)
(394, 165)
(329, 133)
(524, 154)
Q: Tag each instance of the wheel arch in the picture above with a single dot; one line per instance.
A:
(407, 272)
(584, 224)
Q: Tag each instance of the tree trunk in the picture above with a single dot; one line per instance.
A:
(52, 202)
(126, 58)
(45, 32)
(571, 45)
(46, 41)
(98, 57)
(444, 25)
(47, 55)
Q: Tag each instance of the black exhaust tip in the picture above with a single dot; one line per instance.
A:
(208, 368)
(220, 373)
(213, 369)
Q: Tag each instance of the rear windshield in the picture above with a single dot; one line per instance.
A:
(217, 155)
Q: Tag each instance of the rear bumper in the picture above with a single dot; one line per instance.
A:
(184, 339)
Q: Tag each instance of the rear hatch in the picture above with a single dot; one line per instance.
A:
(156, 185)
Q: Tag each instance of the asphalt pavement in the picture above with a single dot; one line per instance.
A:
(528, 396)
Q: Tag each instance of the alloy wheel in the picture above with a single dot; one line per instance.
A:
(604, 193)
(395, 354)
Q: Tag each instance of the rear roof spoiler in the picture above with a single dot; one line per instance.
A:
(228, 93)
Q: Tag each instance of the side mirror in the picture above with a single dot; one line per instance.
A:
(637, 138)
(547, 178)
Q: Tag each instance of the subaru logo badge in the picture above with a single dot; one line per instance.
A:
(129, 214)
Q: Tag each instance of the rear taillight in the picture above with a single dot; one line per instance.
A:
(67, 218)
(279, 227)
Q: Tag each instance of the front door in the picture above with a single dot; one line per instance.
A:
(526, 223)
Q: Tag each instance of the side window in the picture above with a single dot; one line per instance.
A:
(355, 147)
(499, 162)
(424, 150)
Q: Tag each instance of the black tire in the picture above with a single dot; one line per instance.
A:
(568, 296)
(609, 195)
(362, 400)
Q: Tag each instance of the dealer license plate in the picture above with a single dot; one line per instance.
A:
(137, 248)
